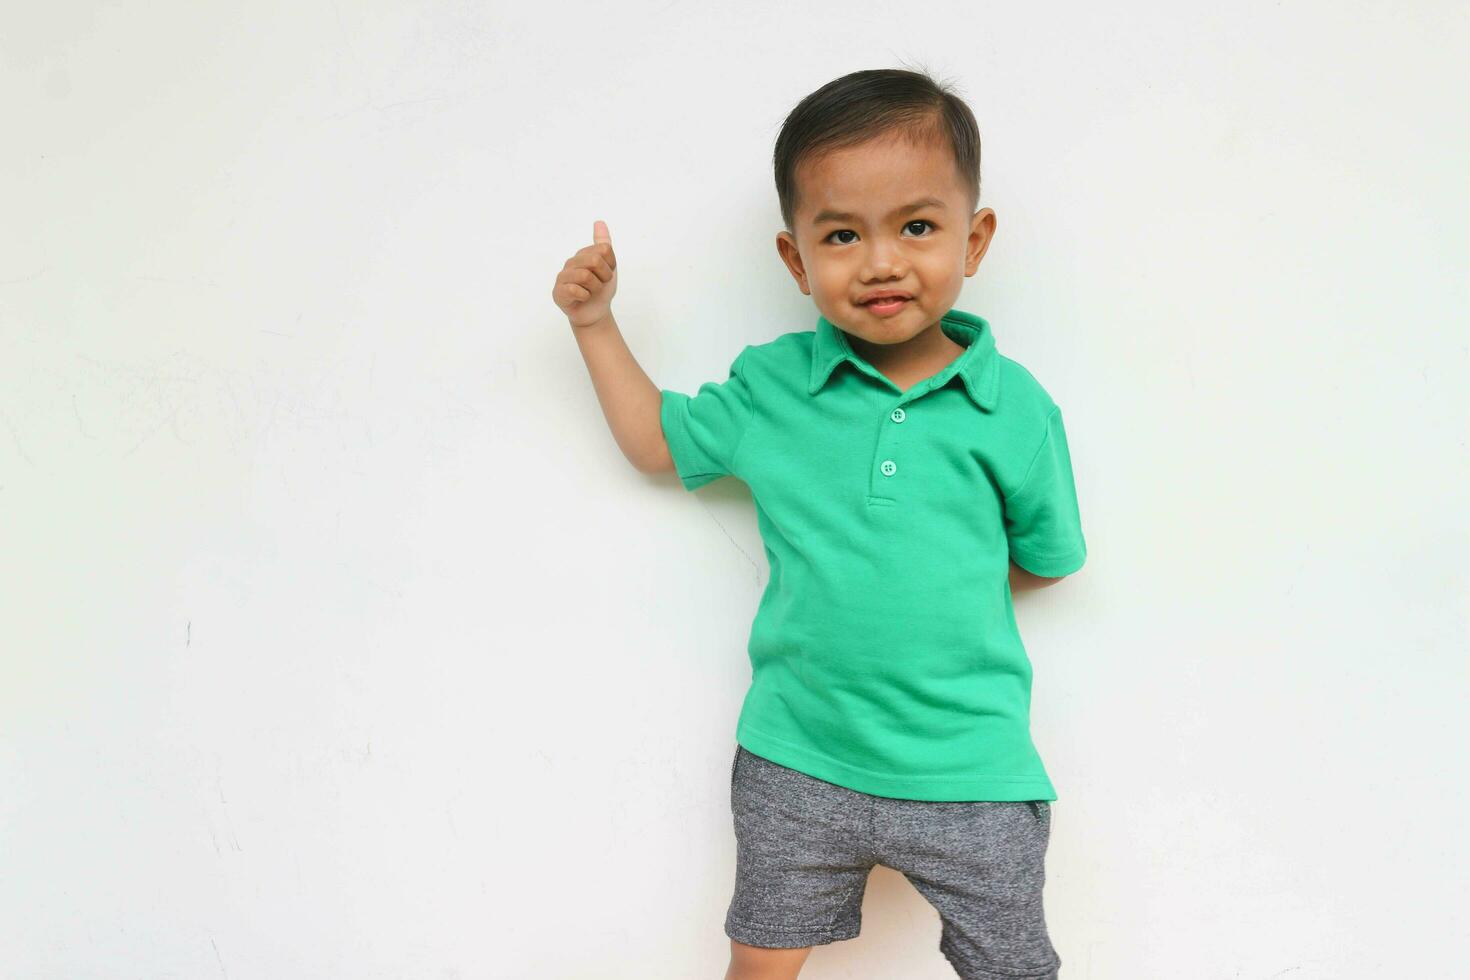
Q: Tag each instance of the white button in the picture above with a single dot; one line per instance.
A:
(897, 415)
(889, 467)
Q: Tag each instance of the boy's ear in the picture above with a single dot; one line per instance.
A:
(786, 248)
(982, 230)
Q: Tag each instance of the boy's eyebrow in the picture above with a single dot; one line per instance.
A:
(926, 202)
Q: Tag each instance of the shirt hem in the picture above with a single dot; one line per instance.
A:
(1050, 566)
(681, 447)
(933, 789)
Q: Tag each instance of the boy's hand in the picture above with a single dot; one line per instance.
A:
(585, 286)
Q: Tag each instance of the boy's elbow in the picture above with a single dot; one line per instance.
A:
(1030, 580)
(654, 462)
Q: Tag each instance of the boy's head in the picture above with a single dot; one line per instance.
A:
(850, 159)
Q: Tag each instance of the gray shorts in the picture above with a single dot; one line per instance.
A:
(804, 848)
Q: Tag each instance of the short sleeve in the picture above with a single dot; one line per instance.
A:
(1043, 525)
(704, 431)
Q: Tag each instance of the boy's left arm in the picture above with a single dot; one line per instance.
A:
(1043, 521)
(1022, 580)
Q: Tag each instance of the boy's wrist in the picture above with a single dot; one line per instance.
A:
(600, 325)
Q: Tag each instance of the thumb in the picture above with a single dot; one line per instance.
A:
(599, 232)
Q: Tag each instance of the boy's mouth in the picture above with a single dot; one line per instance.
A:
(887, 305)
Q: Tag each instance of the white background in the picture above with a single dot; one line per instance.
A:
(339, 639)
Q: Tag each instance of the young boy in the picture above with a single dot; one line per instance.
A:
(901, 469)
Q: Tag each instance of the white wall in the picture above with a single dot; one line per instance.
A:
(339, 640)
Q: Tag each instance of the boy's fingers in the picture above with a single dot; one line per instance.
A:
(590, 254)
(592, 261)
(600, 236)
(600, 267)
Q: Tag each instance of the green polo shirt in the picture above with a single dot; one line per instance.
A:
(884, 652)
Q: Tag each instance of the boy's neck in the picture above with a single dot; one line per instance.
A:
(907, 363)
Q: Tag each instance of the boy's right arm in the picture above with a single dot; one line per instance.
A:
(630, 401)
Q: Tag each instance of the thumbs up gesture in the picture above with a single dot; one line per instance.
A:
(585, 286)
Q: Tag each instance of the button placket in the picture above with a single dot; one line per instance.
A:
(897, 415)
(886, 452)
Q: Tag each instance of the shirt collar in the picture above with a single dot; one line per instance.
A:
(978, 367)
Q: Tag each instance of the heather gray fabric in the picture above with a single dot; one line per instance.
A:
(804, 848)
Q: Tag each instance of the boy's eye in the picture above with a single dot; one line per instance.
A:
(849, 231)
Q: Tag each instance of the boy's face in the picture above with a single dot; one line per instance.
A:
(855, 234)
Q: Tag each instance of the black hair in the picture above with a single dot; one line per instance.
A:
(871, 103)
